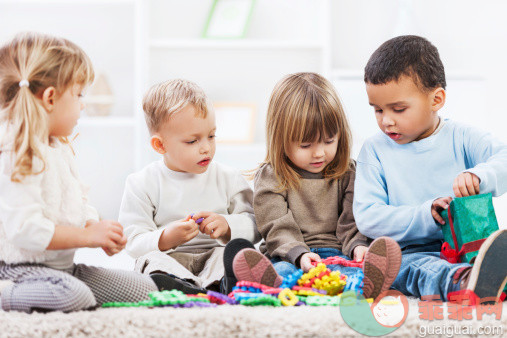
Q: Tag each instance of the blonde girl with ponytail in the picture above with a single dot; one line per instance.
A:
(44, 214)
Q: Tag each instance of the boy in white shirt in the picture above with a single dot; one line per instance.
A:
(180, 251)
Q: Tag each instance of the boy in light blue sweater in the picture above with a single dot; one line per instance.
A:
(407, 174)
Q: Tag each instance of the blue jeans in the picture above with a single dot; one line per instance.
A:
(285, 268)
(424, 273)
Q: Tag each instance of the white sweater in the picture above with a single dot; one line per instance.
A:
(157, 195)
(30, 210)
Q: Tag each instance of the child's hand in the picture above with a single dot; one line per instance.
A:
(177, 233)
(359, 252)
(438, 205)
(307, 259)
(214, 225)
(466, 184)
(119, 247)
(112, 252)
(106, 234)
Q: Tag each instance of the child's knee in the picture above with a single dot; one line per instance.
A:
(284, 268)
(145, 285)
(72, 295)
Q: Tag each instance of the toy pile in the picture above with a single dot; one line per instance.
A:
(319, 287)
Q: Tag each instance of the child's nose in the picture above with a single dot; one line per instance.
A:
(387, 120)
(205, 147)
(318, 151)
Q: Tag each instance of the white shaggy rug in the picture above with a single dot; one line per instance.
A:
(227, 321)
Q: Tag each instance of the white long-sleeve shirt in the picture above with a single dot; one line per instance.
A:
(30, 210)
(396, 184)
(157, 196)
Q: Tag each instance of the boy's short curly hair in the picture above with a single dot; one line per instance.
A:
(163, 100)
(408, 55)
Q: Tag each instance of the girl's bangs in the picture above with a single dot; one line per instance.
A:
(315, 125)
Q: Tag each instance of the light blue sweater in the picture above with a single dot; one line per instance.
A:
(396, 184)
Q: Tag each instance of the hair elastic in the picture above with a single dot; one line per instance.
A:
(24, 83)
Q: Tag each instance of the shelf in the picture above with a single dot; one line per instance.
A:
(106, 121)
(234, 44)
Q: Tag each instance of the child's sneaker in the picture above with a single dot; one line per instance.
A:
(170, 282)
(250, 265)
(231, 250)
(488, 276)
(381, 265)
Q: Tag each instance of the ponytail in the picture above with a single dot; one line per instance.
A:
(28, 136)
(29, 64)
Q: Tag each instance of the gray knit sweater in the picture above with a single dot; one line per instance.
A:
(318, 215)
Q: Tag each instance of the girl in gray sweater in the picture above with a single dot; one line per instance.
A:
(304, 191)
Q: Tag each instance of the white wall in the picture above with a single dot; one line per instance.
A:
(470, 35)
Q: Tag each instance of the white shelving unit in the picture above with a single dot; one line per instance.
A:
(172, 47)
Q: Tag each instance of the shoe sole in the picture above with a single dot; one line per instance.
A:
(489, 272)
(231, 250)
(166, 282)
(381, 266)
(250, 265)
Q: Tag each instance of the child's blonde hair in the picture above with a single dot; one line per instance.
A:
(43, 61)
(167, 98)
(304, 107)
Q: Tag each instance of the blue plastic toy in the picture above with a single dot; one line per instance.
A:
(355, 283)
(291, 280)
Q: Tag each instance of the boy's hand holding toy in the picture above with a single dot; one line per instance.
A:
(177, 233)
(213, 224)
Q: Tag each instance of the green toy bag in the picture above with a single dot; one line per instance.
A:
(470, 221)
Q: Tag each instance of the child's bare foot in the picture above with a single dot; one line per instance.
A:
(381, 265)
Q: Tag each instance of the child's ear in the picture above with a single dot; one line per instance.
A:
(157, 144)
(438, 99)
(48, 98)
